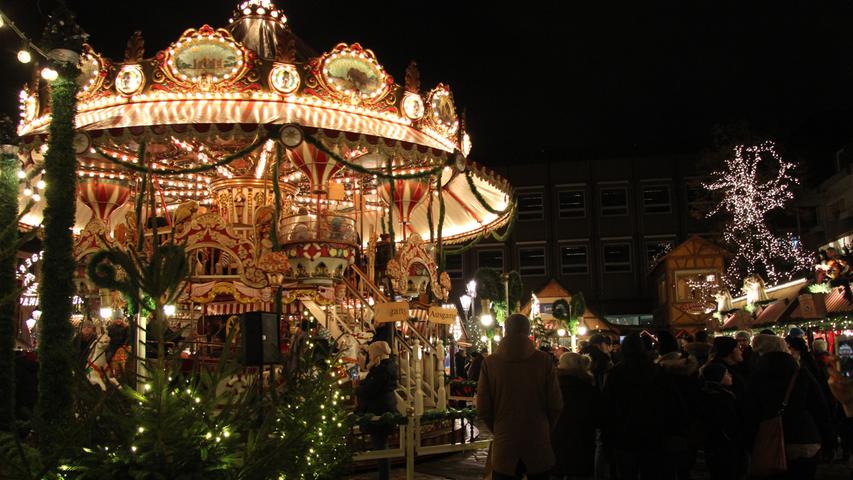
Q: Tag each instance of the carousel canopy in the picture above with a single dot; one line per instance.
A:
(216, 91)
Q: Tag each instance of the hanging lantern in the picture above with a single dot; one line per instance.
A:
(318, 166)
(103, 197)
(408, 194)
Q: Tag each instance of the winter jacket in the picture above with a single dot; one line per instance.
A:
(738, 380)
(722, 426)
(573, 439)
(474, 368)
(682, 373)
(642, 406)
(805, 420)
(376, 392)
(519, 400)
(600, 365)
(700, 350)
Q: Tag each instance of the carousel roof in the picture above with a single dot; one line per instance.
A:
(215, 91)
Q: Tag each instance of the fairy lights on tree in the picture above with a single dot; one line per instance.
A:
(755, 181)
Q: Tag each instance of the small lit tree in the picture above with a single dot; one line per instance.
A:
(756, 180)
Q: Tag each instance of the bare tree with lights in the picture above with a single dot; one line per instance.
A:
(756, 180)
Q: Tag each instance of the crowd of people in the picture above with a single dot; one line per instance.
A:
(650, 406)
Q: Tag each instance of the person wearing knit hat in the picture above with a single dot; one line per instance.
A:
(719, 419)
(717, 373)
(796, 332)
(725, 352)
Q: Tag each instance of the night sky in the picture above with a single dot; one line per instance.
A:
(562, 80)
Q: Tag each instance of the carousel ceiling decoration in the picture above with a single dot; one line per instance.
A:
(235, 120)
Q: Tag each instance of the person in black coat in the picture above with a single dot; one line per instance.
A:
(573, 439)
(721, 425)
(641, 404)
(598, 350)
(726, 352)
(475, 366)
(806, 421)
(375, 395)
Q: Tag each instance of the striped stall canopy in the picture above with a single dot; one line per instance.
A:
(315, 164)
(102, 196)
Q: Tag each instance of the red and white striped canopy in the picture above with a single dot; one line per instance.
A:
(103, 196)
(408, 194)
(315, 164)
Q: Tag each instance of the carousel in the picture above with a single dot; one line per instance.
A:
(310, 186)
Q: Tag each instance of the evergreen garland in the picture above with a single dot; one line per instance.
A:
(53, 408)
(8, 287)
(481, 199)
(140, 167)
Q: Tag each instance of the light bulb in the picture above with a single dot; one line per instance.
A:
(49, 74)
(22, 174)
(484, 338)
(28, 192)
(36, 197)
(581, 330)
(497, 338)
(561, 332)
(40, 185)
(106, 312)
(169, 310)
(486, 320)
(24, 56)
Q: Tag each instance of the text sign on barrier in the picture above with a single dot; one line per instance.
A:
(441, 315)
(391, 312)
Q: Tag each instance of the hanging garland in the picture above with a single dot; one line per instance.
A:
(481, 199)
(360, 169)
(439, 242)
(276, 189)
(140, 168)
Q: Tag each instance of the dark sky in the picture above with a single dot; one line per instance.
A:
(568, 79)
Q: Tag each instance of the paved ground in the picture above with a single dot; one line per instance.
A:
(469, 466)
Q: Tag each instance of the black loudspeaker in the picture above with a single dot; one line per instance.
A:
(259, 338)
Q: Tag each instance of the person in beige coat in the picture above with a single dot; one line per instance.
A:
(518, 398)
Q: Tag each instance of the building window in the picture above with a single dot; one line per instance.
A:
(453, 266)
(614, 201)
(531, 206)
(493, 259)
(531, 260)
(574, 260)
(656, 249)
(656, 199)
(698, 199)
(571, 203)
(617, 257)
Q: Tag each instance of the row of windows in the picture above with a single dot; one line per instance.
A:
(616, 256)
(571, 202)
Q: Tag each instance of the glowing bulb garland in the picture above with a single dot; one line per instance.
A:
(748, 196)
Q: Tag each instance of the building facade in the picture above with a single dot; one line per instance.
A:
(597, 226)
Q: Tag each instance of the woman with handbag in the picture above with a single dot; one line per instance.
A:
(787, 417)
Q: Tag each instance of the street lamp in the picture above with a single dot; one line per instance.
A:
(486, 320)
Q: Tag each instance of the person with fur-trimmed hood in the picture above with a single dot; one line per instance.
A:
(573, 439)
(681, 438)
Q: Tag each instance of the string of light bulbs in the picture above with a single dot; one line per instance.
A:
(24, 54)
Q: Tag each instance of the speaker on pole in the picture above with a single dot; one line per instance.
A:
(259, 334)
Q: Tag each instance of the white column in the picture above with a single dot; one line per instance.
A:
(419, 392)
(441, 403)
